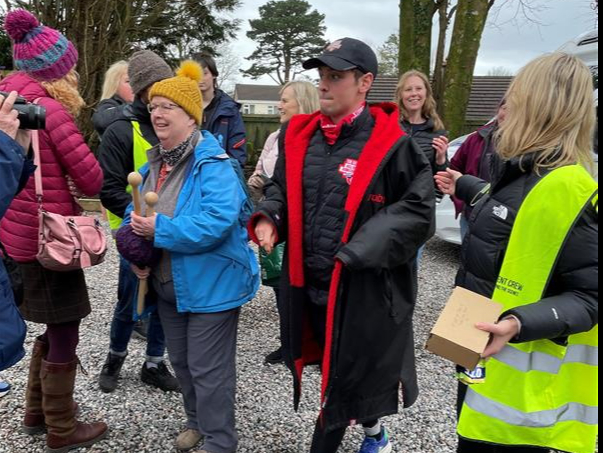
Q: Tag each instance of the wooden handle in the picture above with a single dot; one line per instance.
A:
(151, 199)
(143, 289)
(135, 180)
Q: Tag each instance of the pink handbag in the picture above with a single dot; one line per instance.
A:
(66, 243)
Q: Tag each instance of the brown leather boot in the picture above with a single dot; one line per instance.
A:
(64, 431)
(33, 422)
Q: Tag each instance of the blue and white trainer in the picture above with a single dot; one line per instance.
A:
(4, 387)
(372, 445)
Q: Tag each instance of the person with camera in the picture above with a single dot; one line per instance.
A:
(45, 62)
(15, 170)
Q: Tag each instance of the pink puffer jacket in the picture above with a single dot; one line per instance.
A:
(63, 153)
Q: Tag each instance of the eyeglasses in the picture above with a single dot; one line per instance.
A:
(162, 107)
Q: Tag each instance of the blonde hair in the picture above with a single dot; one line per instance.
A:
(64, 90)
(306, 95)
(429, 109)
(113, 78)
(551, 112)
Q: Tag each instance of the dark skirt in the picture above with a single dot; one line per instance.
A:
(52, 297)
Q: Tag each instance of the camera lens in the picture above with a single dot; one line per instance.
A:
(31, 116)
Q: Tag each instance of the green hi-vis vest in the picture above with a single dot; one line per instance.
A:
(140, 148)
(540, 393)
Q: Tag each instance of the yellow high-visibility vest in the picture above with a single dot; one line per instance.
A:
(540, 393)
(140, 146)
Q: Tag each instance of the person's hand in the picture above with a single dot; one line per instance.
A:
(9, 124)
(144, 226)
(441, 146)
(24, 139)
(266, 234)
(501, 333)
(142, 274)
(446, 181)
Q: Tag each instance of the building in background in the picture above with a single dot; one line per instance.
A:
(258, 99)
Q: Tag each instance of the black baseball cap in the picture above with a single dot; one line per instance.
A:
(344, 55)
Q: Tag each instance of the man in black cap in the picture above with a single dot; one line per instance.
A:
(353, 197)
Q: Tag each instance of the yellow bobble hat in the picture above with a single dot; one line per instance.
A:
(183, 89)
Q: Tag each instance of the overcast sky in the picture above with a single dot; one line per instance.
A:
(505, 43)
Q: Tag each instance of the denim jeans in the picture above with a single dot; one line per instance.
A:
(123, 323)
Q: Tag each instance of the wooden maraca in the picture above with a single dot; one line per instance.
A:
(135, 180)
(151, 199)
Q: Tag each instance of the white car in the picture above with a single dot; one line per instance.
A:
(586, 47)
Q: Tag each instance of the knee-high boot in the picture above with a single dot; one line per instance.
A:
(33, 422)
(64, 431)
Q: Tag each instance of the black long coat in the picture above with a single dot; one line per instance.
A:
(390, 213)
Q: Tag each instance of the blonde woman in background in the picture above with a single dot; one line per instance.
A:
(533, 246)
(419, 118)
(296, 98)
(117, 92)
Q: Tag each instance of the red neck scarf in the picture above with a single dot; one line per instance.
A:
(332, 131)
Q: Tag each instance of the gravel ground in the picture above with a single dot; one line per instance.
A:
(143, 419)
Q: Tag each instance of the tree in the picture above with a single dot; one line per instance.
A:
(469, 26)
(416, 24)
(6, 55)
(229, 64)
(388, 55)
(500, 71)
(108, 30)
(287, 33)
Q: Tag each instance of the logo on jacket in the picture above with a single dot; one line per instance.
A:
(502, 212)
(347, 170)
(377, 198)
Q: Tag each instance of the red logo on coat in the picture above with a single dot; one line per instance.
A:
(347, 170)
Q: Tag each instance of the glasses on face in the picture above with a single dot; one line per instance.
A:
(166, 108)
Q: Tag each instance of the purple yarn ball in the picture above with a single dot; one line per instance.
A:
(135, 249)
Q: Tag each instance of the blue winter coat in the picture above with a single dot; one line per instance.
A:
(14, 171)
(213, 267)
(225, 122)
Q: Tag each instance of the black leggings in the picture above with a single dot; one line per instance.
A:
(329, 442)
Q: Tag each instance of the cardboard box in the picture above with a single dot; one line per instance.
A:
(455, 336)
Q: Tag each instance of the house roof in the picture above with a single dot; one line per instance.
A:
(486, 94)
(264, 93)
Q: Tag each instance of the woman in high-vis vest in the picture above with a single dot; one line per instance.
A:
(533, 247)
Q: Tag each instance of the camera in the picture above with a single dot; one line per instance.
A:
(31, 116)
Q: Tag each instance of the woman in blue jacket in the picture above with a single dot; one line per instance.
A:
(207, 270)
(15, 170)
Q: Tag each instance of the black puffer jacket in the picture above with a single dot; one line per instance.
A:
(116, 155)
(424, 134)
(573, 291)
(325, 192)
(107, 112)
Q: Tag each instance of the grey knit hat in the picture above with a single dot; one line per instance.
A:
(145, 68)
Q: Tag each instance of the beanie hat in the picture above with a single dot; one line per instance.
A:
(40, 51)
(183, 89)
(145, 68)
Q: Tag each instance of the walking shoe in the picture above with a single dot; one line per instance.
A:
(107, 381)
(372, 445)
(159, 377)
(188, 439)
(274, 358)
(4, 387)
(140, 330)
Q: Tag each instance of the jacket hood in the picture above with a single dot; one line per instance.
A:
(209, 148)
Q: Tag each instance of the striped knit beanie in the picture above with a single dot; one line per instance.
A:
(183, 89)
(40, 51)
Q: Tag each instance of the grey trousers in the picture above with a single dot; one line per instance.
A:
(202, 350)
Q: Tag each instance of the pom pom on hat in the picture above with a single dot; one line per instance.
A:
(18, 23)
(190, 69)
(183, 89)
(40, 51)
